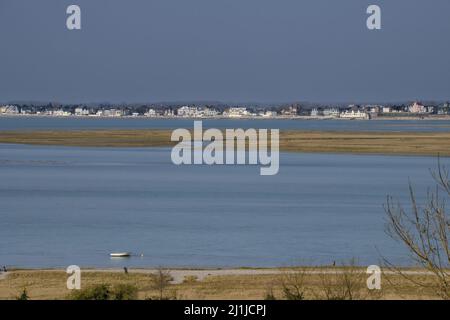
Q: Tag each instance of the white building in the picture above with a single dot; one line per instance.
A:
(113, 113)
(210, 112)
(196, 112)
(81, 111)
(110, 113)
(387, 110)
(269, 114)
(9, 109)
(417, 108)
(331, 112)
(169, 113)
(151, 113)
(314, 112)
(189, 112)
(236, 112)
(186, 111)
(352, 114)
(60, 113)
(443, 109)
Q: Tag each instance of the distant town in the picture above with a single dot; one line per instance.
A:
(295, 110)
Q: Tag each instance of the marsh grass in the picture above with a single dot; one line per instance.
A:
(401, 143)
(52, 285)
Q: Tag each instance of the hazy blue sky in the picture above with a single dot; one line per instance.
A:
(229, 50)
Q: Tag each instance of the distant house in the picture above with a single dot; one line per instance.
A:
(60, 113)
(236, 112)
(110, 113)
(331, 112)
(115, 112)
(150, 113)
(210, 112)
(315, 112)
(417, 108)
(189, 112)
(168, 113)
(443, 109)
(196, 112)
(352, 114)
(373, 109)
(269, 114)
(9, 109)
(289, 111)
(81, 111)
(386, 109)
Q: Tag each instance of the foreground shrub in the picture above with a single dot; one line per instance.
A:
(424, 230)
(347, 282)
(161, 280)
(125, 292)
(23, 295)
(106, 292)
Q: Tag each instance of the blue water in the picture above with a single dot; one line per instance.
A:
(62, 205)
(73, 123)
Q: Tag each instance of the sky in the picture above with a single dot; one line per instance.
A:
(224, 50)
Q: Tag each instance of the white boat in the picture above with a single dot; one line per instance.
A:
(120, 254)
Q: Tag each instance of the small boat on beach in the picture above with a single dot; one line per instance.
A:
(120, 254)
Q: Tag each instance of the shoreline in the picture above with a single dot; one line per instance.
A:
(180, 274)
(298, 118)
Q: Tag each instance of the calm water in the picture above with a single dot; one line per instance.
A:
(73, 123)
(62, 206)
